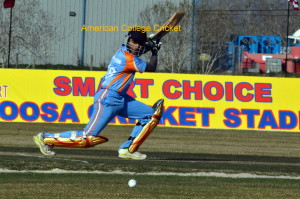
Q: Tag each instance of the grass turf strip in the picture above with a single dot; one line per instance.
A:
(157, 162)
(33, 185)
(176, 150)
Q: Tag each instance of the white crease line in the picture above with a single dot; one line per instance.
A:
(198, 174)
(45, 157)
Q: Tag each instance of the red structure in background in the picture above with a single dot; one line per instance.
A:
(265, 54)
(291, 61)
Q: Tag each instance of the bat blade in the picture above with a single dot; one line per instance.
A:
(172, 21)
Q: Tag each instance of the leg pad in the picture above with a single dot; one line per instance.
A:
(88, 141)
(149, 127)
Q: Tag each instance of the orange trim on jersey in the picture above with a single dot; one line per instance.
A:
(119, 76)
(130, 64)
(128, 75)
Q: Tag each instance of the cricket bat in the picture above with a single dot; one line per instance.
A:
(171, 22)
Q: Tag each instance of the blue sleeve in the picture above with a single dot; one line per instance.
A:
(140, 64)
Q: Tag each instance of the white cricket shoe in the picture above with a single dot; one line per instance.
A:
(45, 149)
(125, 154)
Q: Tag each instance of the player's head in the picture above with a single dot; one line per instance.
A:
(136, 41)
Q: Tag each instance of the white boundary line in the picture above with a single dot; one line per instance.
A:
(198, 174)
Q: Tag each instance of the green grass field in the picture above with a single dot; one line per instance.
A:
(115, 186)
(178, 159)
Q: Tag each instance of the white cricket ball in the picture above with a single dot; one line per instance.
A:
(132, 183)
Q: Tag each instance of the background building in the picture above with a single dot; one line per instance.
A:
(65, 18)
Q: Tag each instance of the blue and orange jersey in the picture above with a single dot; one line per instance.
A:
(121, 70)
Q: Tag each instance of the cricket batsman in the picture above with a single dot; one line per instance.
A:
(112, 99)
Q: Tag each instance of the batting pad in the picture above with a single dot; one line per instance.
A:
(88, 141)
(149, 127)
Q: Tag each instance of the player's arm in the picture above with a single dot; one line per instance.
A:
(151, 65)
(154, 46)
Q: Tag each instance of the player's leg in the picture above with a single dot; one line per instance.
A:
(106, 106)
(136, 110)
(95, 124)
(135, 132)
(105, 109)
(149, 127)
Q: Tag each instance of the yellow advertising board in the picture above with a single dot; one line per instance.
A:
(195, 101)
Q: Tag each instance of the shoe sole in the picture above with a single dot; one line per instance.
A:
(40, 145)
(129, 157)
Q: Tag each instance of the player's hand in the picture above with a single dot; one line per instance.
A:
(156, 46)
